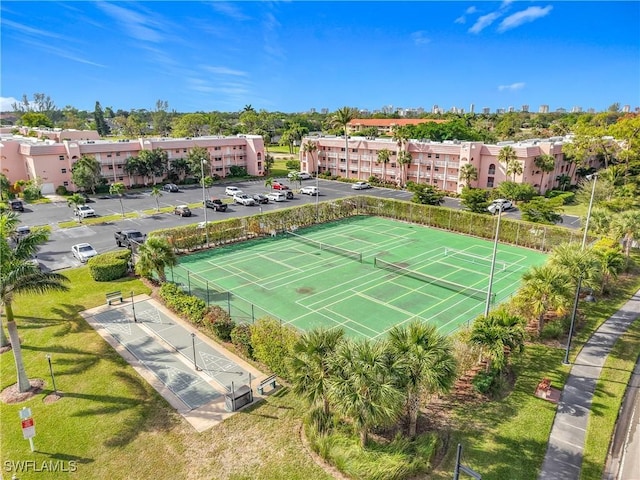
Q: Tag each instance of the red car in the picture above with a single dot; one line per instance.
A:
(279, 186)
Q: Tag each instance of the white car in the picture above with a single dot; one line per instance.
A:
(83, 211)
(276, 196)
(243, 199)
(360, 186)
(309, 190)
(500, 204)
(232, 191)
(301, 175)
(83, 252)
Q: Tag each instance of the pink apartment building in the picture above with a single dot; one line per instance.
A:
(51, 160)
(435, 163)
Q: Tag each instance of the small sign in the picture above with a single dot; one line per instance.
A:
(28, 426)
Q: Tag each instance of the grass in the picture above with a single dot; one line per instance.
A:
(607, 400)
(109, 418)
(97, 220)
(578, 210)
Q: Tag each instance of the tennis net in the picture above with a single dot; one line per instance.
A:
(357, 256)
(455, 287)
(471, 258)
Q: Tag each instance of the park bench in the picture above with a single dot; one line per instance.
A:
(271, 381)
(113, 296)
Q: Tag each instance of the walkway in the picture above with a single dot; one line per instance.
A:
(563, 459)
(189, 370)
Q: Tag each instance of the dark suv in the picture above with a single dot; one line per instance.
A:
(216, 204)
(16, 205)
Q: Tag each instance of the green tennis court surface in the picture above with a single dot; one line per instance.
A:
(406, 272)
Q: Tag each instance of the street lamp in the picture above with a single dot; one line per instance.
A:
(204, 203)
(574, 311)
(317, 188)
(133, 307)
(193, 344)
(493, 259)
(53, 379)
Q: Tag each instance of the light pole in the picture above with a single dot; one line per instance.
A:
(133, 307)
(204, 204)
(193, 344)
(53, 379)
(493, 260)
(574, 311)
(317, 189)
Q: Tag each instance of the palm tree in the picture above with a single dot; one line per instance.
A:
(400, 134)
(427, 364)
(19, 275)
(363, 388)
(580, 264)
(546, 163)
(495, 333)
(154, 256)
(468, 174)
(268, 183)
(626, 227)
(341, 118)
(384, 156)
(545, 288)
(612, 262)
(311, 364)
(118, 188)
(74, 201)
(514, 167)
(404, 159)
(506, 156)
(156, 193)
(308, 148)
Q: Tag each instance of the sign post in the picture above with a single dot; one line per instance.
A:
(28, 426)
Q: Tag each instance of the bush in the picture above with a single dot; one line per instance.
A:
(272, 344)
(31, 192)
(62, 190)
(220, 323)
(552, 330)
(293, 165)
(241, 339)
(236, 171)
(109, 266)
(186, 305)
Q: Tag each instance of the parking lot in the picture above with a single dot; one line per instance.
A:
(56, 254)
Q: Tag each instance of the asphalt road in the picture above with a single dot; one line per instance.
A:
(56, 253)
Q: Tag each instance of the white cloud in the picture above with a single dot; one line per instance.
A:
(471, 10)
(419, 37)
(136, 25)
(511, 88)
(484, 21)
(230, 10)
(461, 20)
(34, 32)
(6, 104)
(525, 16)
(225, 71)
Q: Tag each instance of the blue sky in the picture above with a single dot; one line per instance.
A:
(295, 56)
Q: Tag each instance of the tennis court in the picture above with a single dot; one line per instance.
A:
(364, 274)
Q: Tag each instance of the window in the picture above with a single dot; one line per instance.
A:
(259, 165)
(108, 155)
(489, 181)
(66, 184)
(119, 166)
(437, 155)
(178, 150)
(428, 155)
(217, 148)
(492, 169)
(436, 169)
(63, 170)
(184, 151)
(110, 167)
(120, 178)
(61, 157)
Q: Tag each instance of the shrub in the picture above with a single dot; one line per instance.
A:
(109, 266)
(293, 165)
(31, 192)
(272, 344)
(236, 171)
(220, 323)
(241, 339)
(552, 330)
(61, 190)
(483, 381)
(186, 305)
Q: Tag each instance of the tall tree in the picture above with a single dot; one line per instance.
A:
(101, 124)
(198, 160)
(118, 189)
(311, 365)
(384, 156)
(475, 199)
(468, 174)
(86, 173)
(35, 119)
(546, 163)
(154, 256)
(74, 201)
(507, 156)
(625, 226)
(161, 120)
(309, 148)
(496, 334)
(19, 275)
(363, 387)
(156, 193)
(341, 118)
(427, 365)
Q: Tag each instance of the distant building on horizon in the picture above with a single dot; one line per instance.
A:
(543, 109)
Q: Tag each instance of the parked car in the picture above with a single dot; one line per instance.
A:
(126, 237)
(276, 196)
(87, 198)
(84, 211)
(16, 205)
(360, 186)
(259, 198)
(216, 204)
(171, 187)
(244, 199)
(288, 194)
(231, 191)
(499, 204)
(83, 252)
(20, 232)
(182, 210)
(301, 175)
(309, 190)
(279, 186)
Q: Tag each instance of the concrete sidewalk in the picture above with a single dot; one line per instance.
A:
(191, 372)
(563, 459)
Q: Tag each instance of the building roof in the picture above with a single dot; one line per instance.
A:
(380, 122)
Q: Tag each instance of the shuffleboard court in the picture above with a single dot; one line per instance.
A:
(364, 274)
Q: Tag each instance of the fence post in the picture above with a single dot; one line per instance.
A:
(207, 287)
(544, 238)
(253, 315)
(172, 280)
(229, 302)
(189, 281)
